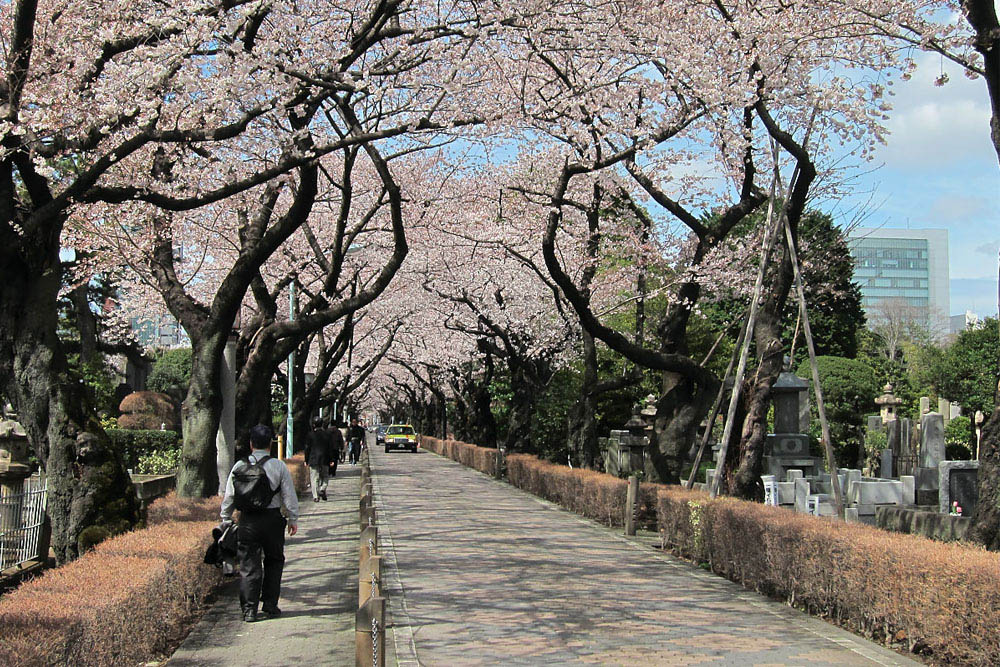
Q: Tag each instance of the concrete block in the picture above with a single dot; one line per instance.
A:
(909, 484)
(878, 493)
(802, 495)
(851, 515)
(786, 493)
(792, 475)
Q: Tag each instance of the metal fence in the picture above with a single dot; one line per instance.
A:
(22, 516)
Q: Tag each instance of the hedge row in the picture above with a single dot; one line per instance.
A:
(482, 459)
(124, 602)
(934, 598)
(119, 604)
(594, 495)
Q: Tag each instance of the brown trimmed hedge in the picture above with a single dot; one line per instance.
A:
(931, 597)
(592, 494)
(482, 459)
(124, 602)
(119, 604)
(938, 599)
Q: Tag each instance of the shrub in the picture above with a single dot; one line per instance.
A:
(483, 459)
(147, 410)
(159, 463)
(135, 444)
(121, 602)
(171, 373)
(942, 598)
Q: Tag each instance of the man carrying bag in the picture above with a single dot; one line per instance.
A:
(259, 486)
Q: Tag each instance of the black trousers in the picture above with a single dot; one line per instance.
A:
(260, 551)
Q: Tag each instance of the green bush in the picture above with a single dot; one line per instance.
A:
(159, 463)
(958, 439)
(171, 373)
(133, 445)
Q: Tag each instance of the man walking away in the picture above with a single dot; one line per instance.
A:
(259, 486)
(318, 455)
(355, 436)
(337, 438)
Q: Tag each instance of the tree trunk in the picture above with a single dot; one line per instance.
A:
(90, 495)
(582, 421)
(985, 527)
(744, 479)
(681, 407)
(201, 411)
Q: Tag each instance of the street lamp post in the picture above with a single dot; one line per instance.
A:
(289, 421)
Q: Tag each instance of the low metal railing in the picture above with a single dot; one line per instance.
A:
(22, 518)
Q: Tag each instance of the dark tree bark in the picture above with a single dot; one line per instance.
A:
(985, 529)
(743, 470)
(90, 495)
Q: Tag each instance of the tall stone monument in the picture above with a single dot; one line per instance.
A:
(788, 447)
(931, 454)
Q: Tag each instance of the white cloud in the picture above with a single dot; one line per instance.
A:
(937, 126)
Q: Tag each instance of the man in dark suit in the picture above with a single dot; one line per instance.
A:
(319, 453)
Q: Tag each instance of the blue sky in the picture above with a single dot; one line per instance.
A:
(939, 170)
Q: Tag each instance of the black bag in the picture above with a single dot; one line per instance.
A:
(251, 489)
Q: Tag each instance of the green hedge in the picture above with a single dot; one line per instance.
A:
(140, 448)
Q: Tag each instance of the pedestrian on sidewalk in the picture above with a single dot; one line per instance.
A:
(337, 438)
(355, 436)
(261, 487)
(319, 454)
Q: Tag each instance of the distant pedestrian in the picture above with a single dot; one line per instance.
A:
(319, 453)
(259, 486)
(337, 438)
(356, 438)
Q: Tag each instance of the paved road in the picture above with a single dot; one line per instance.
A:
(319, 596)
(486, 574)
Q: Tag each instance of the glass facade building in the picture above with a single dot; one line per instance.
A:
(903, 269)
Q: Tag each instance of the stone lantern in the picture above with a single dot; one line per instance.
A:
(887, 404)
(789, 447)
(633, 446)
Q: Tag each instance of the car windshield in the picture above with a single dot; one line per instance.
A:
(400, 430)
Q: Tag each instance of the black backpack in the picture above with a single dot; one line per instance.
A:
(251, 489)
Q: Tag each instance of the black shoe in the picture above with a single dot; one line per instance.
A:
(249, 616)
(322, 495)
(271, 612)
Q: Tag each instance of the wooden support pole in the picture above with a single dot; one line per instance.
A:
(767, 247)
(831, 462)
(369, 634)
(368, 544)
(367, 517)
(631, 504)
(370, 567)
(716, 407)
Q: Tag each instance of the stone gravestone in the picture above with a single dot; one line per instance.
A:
(931, 440)
(925, 405)
(944, 409)
(931, 453)
(959, 482)
(905, 436)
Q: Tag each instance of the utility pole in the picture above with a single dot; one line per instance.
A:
(289, 422)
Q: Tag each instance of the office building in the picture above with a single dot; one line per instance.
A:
(903, 273)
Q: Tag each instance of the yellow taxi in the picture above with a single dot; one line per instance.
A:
(400, 436)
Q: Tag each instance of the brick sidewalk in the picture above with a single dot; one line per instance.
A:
(319, 596)
(486, 574)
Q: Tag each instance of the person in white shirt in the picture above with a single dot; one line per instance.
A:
(261, 534)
